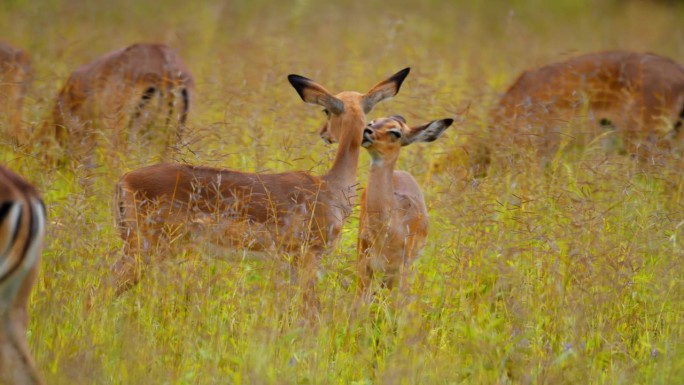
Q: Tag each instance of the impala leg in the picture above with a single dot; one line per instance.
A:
(83, 150)
(307, 268)
(183, 116)
(126, 273)
(390, 279)
(364, 273)
(15, 129)
(140, 244)
(403, 278)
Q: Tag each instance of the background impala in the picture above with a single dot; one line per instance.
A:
(639, 96)
(137, 97)
(15, 73)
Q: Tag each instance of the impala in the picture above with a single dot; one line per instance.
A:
(393, 220)
(138, 93)
(15, 73)
(639, 95)
(293, 213)
(22, 228)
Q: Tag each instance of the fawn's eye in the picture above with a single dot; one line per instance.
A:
(326, 112)
(395, 133)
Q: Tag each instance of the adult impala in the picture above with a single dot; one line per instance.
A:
(138, 93)
(639, 95)
(294, 213)
(15, 73)
(22, 228)
(393, 221)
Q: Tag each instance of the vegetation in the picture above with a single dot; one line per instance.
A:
(571, 272)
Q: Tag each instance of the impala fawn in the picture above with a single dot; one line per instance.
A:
(393, 220)
(294, 213)
(140, 93)
(15, 73)
(22, 228)
(639, 96)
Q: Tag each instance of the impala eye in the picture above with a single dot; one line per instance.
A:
(326, 112)
(395, 133)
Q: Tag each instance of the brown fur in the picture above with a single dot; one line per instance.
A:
(393, 220)
(21, 239)
(294, 213)
(15, 76)
(640, 95)
(112, 94)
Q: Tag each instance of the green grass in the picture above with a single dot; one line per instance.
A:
(571, 273)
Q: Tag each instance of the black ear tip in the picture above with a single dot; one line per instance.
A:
(298, 82)
(405, 71)
(448, 122)
(402, 74)
(296, 79)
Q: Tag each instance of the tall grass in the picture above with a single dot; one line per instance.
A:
(569, 273)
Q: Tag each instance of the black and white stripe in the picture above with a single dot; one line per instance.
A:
(18, 252)
(22, 229)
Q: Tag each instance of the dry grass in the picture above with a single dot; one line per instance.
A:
(571, 273)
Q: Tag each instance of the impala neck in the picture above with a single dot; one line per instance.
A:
(344, 168)
(380, 190)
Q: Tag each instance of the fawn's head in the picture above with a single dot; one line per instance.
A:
(348, 107)
(384, 137)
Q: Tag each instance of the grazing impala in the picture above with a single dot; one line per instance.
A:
(639, 95)
(22, 228)
(393, 221)
(141, 93)
(15, 72)
(294, 213)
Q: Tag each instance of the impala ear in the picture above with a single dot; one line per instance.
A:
(314, 93)
(426, 132)
(398, 118)
(384, 90)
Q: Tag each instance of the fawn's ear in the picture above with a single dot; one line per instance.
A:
(398, 118)
(314, 93)
(427, 132)
(383, 90)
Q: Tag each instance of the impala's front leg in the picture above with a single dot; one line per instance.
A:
(141, 236)
(364, 270)
(307, 266)
(391, 278)
(126, 272)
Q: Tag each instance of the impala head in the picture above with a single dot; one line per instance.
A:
(384, 137)
(348, 106)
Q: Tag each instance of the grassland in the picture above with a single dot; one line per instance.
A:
(569, 273)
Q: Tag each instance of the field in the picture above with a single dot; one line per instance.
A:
(568, 272)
